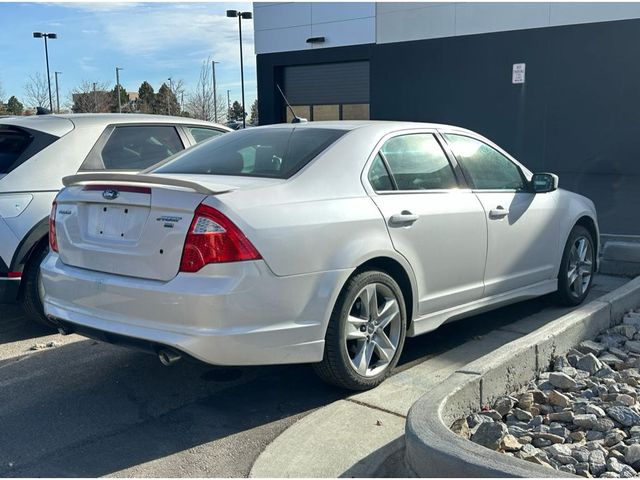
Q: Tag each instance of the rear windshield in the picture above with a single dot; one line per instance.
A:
(260, 152)
(17, 145)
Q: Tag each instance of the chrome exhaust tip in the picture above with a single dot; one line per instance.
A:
(168, 357)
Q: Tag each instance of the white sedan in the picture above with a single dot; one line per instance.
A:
(324, 243)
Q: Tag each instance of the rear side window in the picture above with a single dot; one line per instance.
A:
(256, 152)
(135, 147)
(201, 134)
(417, 162)
(17, 145)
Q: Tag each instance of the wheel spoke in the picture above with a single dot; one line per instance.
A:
(384, 347)
(389, 312)
(363, 358)
(582, 248)
(369, 300)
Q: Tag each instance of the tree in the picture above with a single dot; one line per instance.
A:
(91, 97)
(14, 107)
(254, 113)
(36, 91)
(1, 95)
(124, 99)
(235, 112)
(165, 102)
(146, 97)
(200, 103)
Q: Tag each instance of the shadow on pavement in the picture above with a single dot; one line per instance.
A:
(15, 325)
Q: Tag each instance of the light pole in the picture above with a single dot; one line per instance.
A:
(57, 91)
(246, 16)
(118, 88)
(95, 98)
(228, 102)
(215, 95)
(170, 90)
(52, 36)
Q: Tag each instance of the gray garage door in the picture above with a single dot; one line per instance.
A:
(329, 91)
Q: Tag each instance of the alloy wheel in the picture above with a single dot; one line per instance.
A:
(580, 266)
(373, 330)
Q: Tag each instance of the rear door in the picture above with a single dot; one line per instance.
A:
(437, 225)
(523, 228)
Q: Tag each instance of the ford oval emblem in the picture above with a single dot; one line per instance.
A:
(110, 194)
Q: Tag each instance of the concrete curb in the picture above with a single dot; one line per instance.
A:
(432, 450)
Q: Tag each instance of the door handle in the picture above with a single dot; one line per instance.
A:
(498, 212)
(405, 218)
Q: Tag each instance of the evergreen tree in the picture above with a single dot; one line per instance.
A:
(146, 97)
(253, 120)
(124, 99)
(235, 112)
(165, 102)
(14, 107)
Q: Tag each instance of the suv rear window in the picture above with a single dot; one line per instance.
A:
(17, 145)
(259, 152)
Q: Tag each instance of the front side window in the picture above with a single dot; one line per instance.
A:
(485, 167)
(417, 162)
(255, 152)
(139, 147)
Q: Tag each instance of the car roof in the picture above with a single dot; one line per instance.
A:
(378, 125)
(54, 123)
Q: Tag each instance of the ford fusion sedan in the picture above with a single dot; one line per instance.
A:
(325, 243)
(36, 152)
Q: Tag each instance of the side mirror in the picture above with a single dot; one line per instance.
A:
(544, 182)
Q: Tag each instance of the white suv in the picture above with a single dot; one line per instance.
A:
(36, 152)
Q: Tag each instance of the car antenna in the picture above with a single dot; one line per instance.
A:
(296, 119)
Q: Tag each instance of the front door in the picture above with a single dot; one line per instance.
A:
(522, 226)
(439, 228)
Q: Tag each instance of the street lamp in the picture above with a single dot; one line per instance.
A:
(246, 16)
(215, 95)
(118, 88)
(52, 36)
(57, 91)
(170, 90)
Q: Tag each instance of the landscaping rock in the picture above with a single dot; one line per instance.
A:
(589, 363)
(490, 434)
(624, 415)
(562, 381)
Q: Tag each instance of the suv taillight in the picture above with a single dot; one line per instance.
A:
(213, 238)
(53, 240)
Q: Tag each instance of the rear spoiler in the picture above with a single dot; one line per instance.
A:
(118, 178)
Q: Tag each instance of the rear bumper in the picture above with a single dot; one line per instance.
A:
(227, 314)
(9, 288)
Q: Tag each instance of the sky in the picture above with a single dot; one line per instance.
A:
(150, 41)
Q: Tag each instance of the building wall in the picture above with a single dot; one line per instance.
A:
(285, 26)
(577, 114)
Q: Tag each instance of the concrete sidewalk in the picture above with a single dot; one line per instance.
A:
(354, 437)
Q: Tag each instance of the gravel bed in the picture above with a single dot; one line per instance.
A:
(582, 417)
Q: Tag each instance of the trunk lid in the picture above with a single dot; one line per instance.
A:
(132, 225)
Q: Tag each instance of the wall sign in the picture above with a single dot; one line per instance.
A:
(517, 74)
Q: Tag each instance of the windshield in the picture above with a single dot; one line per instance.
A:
(265, 152)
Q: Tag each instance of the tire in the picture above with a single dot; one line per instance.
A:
(31, 298)
(581, 263)
(376, 338)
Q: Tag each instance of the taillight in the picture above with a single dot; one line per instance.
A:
(213, 238)
(53, 240)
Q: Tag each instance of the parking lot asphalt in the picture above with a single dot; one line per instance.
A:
(83, 408)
